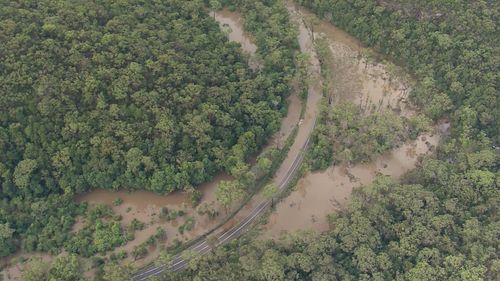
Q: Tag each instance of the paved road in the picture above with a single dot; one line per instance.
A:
(285, 173)
(203, 247)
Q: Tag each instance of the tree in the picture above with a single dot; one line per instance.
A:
(66, 268)
(270, 190)
(6, 242)
(23, 171)
(311, 22)
(263, 165)
(215, 5)
(228, 192)
(37, 270)
(272, 266)
(117, 272)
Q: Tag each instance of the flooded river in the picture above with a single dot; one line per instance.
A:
(321, 193)
(373, 87)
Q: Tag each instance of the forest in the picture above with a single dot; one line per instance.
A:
(119, 98)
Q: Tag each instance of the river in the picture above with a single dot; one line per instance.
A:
(374, 87)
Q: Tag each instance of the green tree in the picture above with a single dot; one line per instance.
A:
(66, 268)
(6, 242)
(117, 272)
(228, 192)
(37, 270)
(215, 5)
(23, 172)
(270, 190)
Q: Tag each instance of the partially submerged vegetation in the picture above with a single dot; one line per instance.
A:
(346, 135)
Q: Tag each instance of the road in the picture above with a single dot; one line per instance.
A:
(282, 177)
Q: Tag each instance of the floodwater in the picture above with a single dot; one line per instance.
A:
(321, 193)
(289, 122)
(146, 206)
(356, 74)
(306, 124)
(373, 87)
(312, 104)
(231, 23)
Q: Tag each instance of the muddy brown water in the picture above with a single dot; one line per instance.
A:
(373, 87)
(356, 74)
(305, 127)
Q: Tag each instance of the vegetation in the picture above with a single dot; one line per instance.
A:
(346, 134)
(450, 46)
(151, 95)
(43, 225)
(66, 268)
(119, 98)
(102, 232)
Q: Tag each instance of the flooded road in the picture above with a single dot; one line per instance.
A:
(373, 87)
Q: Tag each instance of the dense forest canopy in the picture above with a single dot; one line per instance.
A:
(129, 94)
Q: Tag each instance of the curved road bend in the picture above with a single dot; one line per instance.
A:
(282, 177)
